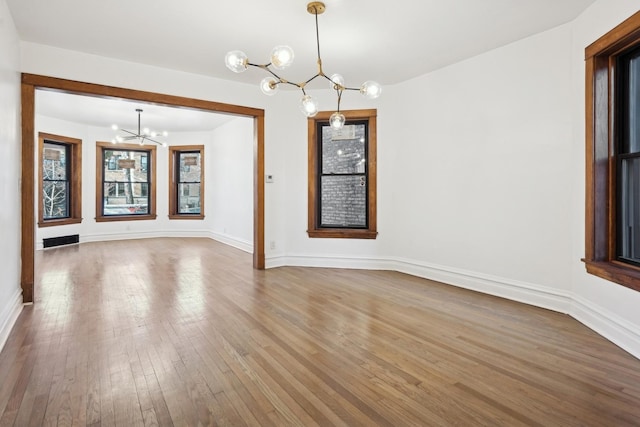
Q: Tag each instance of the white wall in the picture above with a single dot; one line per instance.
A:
(241, 151)
(482, 189)
(229, 187)
(10, 291)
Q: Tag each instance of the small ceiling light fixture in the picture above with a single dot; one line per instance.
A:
(142, 135)
(282, 57)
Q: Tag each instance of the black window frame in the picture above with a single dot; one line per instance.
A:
(320, 126)
(103, 165)
(175, 152)
(73, 172)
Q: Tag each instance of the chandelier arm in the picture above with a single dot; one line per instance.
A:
(312, 78)
(130, 133)
(270, 71)
(336, 86)
(280, 79)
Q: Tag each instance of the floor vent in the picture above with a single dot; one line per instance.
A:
(59, 241)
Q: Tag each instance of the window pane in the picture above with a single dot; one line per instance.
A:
(55, 199)
(343, 201)
(125, 166)
(189, 167)
(54, 162)
(128, 198)
(633, 123)
(630, 209)
(343, 152)
(55, 185)
(189, 198)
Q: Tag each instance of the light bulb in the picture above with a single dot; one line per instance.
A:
(113, 141)
(114, 127)
(308, 106)
(370, 89)
(164, 144)
(269, 86)
(236, 61)
(165, 133)
(145, 131)
(119, 138)
(337, 120)
(281, 57)
(154, 134)
(336, 80)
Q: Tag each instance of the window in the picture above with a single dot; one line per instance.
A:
(59, 177)
(612, 249)
(186, 182)
(125, 186)
(342, 176)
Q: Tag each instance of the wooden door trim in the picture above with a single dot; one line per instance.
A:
(31, 82)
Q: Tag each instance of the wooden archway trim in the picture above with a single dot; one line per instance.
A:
(31, 82)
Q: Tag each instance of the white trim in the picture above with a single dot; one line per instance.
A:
(104, 237)
(525, 292)
(141, 235)
(9, 316)
(243, 245)
(528, 293)
(327, 261)
(621, 332)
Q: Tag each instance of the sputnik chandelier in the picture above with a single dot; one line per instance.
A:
(282, 57)
(141, 136)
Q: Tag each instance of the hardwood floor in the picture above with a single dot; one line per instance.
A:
(185, 332)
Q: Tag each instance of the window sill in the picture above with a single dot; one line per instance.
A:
(339, 233)
(62, 221)
(615, 271)
(125, 218)
(186, 216)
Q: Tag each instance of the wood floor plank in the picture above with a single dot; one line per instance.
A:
(183, 332)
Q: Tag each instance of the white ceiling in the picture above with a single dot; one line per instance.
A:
(389, 42)
(104, 112)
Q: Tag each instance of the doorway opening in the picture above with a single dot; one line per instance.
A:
(31, 83)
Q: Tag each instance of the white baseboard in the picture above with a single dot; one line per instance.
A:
(621, 332)
(224, 238)
(528, 293)
(327, 262)
(243, 245)
(9, 316)
(142, 235)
